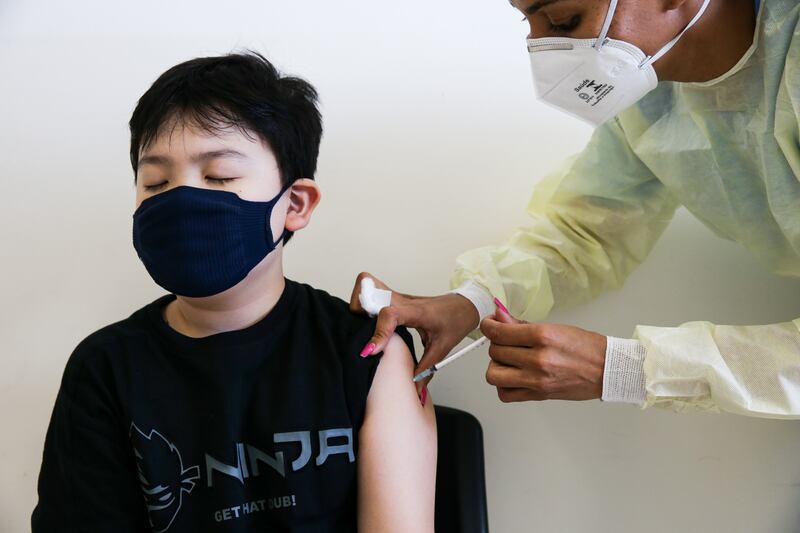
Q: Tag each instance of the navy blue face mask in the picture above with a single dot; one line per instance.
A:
(199, 242)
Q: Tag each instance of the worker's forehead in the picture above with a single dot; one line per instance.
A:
(532, 6)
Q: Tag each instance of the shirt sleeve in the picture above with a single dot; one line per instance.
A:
(592, 223)
(747, 370)
(87, 482)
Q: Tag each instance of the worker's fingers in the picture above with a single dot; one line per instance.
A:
(422, 385)
(508, 395)
(516, 334)
(442, 321)
(435, 352)
(501, 314)
(424, 337)
(504, 376)
(355, 304)
(515, 356)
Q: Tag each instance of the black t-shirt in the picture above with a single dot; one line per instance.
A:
(248, 430)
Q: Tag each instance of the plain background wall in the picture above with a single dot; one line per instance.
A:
(433, 142)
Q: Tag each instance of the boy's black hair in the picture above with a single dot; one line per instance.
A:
(242, 90)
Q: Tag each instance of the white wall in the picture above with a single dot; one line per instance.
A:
(433, 143)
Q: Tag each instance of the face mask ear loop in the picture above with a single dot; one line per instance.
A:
(282, 237)
(667, 47)
(601, 39)
(283, 190)
(274, 201)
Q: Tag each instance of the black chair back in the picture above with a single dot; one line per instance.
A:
(460, 476)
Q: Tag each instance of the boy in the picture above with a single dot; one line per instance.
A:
(238, 402)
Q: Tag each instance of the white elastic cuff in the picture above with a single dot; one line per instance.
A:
(479, 296)
(623, 378)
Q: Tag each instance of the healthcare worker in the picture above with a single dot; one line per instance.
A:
(696, 103)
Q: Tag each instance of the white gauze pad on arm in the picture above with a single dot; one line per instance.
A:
(373, 299)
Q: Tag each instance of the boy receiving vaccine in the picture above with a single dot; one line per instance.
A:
(239, 401)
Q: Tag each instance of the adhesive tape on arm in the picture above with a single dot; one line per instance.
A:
(373, 299)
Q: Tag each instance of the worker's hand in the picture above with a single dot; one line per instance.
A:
(442, 322)
(543, 361)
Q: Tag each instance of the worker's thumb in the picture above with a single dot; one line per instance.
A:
(503, 315)
(388, 320)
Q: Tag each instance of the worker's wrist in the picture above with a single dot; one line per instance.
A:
(623, 375)
(478, 296)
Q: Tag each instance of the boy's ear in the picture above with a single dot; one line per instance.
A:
(303, 199)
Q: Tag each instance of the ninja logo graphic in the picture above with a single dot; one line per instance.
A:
(162, 476)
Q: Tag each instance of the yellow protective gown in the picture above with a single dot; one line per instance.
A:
(729, 151)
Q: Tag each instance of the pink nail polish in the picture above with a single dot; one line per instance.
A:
(423, 396)
(500, 306)
(367, 349)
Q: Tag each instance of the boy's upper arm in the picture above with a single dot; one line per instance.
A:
(397, 450)
(87, 480)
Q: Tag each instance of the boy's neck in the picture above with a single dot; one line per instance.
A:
(235, 309)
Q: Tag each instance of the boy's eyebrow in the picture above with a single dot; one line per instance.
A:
(202, 157)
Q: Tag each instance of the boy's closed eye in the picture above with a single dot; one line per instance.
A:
(220, 181)
(213, 180)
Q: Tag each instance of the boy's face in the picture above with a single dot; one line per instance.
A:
(227, 161)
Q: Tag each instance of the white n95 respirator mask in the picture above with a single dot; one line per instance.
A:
(595, 79)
